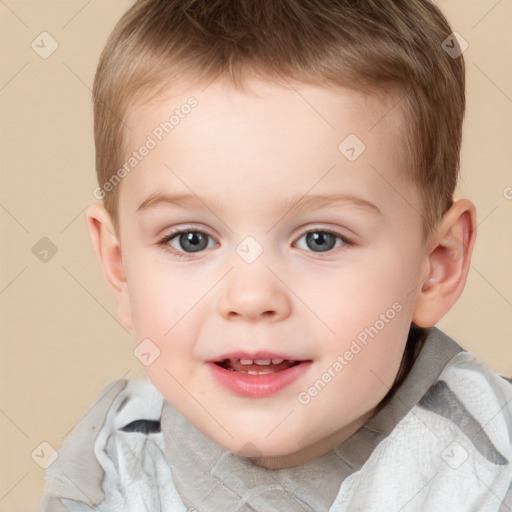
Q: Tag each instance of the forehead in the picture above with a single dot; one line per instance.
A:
(273, 141)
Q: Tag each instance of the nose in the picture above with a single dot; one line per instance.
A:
(252, 292)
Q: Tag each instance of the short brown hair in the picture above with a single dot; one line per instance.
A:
(390, 46)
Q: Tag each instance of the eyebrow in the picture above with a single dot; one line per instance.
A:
(311, 201)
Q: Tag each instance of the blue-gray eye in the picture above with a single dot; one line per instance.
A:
(190, 241)
(321, 241)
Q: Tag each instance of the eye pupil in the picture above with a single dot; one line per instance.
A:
(193, 241)
(320, 239)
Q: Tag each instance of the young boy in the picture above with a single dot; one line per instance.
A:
(279, 231)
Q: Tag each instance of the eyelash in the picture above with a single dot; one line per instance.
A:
(164, 242)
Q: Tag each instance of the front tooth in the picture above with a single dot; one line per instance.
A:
(245, 361)
(277, 361)
(262, 361)
(253, 372)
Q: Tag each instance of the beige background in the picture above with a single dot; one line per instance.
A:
(60, 341)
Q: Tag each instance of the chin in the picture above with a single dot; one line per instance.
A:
(276, 458)
(255, 446)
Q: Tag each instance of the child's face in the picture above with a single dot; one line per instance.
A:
(255, 282)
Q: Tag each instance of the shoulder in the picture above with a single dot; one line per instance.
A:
(452, 449)
(475, 398)
(469, 411)
(78, 472)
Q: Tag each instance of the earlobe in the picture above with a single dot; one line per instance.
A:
(449, 258)
(108, 250)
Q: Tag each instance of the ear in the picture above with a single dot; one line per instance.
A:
(449, 250)
(108, 250)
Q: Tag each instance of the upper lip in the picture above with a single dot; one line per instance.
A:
(260, 354)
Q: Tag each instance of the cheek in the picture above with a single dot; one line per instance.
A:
(160, 294)
(355, 372)
(368, 309)
(356, 295)
(168, 309)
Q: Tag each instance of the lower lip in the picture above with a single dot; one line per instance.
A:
(258, 385)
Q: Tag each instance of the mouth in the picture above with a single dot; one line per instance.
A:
(257, 366)
(257, 375)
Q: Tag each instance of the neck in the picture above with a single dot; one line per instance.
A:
(314, 450)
